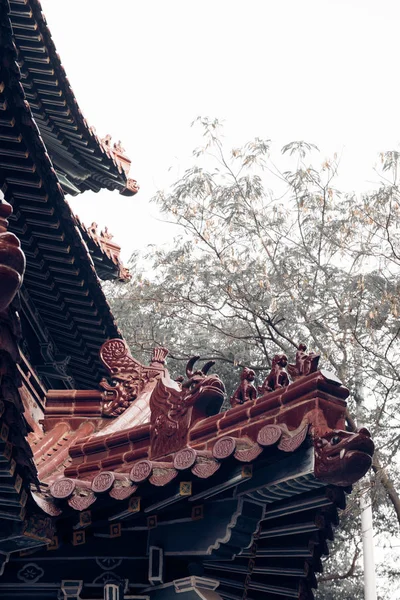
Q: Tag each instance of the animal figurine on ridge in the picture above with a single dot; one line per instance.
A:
(306, 363)
(246, 389)
(277, 378)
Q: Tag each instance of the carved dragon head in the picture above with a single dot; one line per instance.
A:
(201, 388)
(343, 457)
(175, 406)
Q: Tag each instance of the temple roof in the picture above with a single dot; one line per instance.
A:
(83, 161)
(137, 466)
(60, 276)
(246, 499)
(104, 252)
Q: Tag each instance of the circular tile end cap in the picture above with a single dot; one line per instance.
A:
(141, 471)
(103, 482)
(224, 447)
(62, 488)
(185, 458)
(269, 435)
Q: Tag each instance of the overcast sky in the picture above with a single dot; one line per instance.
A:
(325, 71)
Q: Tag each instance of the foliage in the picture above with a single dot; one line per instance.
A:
(256, 271)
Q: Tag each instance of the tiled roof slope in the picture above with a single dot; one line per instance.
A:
(60, 276)
(82, 159)
(104, 252)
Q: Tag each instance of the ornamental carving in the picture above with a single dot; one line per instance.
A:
(246, 390)
(205, 467)
(277, 378)
(141, 471)
(343, 457)
(175, 405)
(293, 440)
(224, 447)
(122, 491)
(269, 435)
(305, 364)
(128, 376)
(62, 488)
(184, 459)
(12, 259)
(132, 186)
(39, 528)
(103, 482)
(82, 499)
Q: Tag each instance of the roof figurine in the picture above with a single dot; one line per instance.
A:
(278, 376)
(305, 363)
(246, 390)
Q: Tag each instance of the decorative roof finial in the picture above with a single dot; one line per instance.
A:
(159, 355)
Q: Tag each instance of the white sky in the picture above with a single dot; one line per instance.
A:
(326, 71)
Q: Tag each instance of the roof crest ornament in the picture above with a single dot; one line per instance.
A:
(129, 376)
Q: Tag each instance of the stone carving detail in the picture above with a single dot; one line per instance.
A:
(12, 259)
(277, 378)
(306, 363)
(246, 390)
(129, 376)
(174, 404)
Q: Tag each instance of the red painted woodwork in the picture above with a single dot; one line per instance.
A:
(12, 259)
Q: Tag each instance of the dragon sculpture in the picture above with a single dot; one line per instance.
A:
(175, 406)
(340, 456)
(128, 376)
